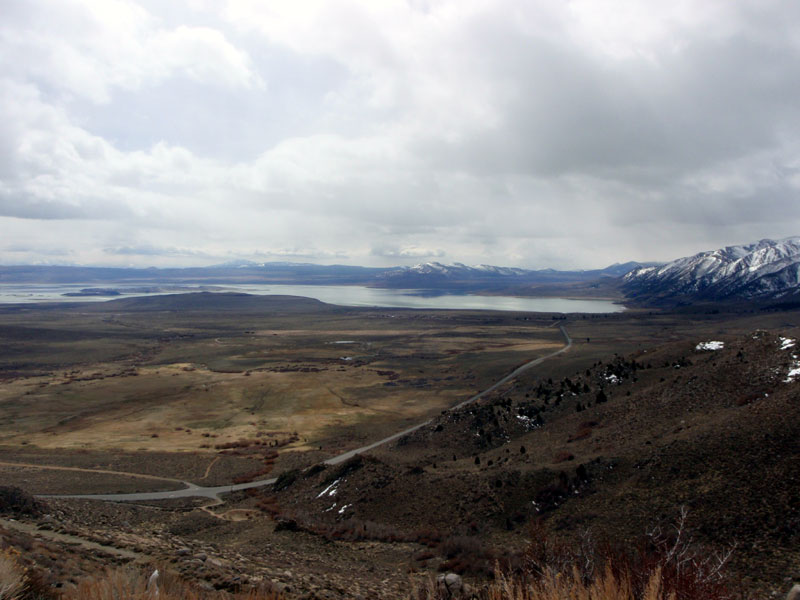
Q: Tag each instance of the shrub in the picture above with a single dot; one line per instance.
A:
(314, 470)
(582, 434)
(12, 576)
(568, 586)
(252, 475)
(563, 456)
(661, 567)
(351, 465)
(268, 505)
(20, 583)
(466, 555)
(15, 500)
(286, 479)
(428, 537)
(132, 584)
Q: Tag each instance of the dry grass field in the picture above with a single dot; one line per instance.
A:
(288, 374)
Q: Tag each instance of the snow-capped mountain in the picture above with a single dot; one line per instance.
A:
(766, 269)
(457, 277)
(435, 275)
(456, 270)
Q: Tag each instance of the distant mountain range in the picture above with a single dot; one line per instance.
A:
(228, 273)
(432, 275)
(768, 269)
(765, 270)
(486, 277)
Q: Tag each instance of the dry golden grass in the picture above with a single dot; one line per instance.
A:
(143, 411)
(559, 586)
(131, 584)
(660, 566)
(270, 375)
(12, 576)
(16, 583)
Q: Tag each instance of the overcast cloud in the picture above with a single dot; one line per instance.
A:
(522, 133)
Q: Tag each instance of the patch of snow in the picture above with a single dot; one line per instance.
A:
(793, 373)
(712, 345)
(345, 358)
(330, 490)
(331, 508)
(343, 342)
(344, 508)
(612, 378)
(527, 421)
(786, 343)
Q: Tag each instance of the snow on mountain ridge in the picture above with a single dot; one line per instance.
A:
(459, 271)
(460, 268)
(765, 267)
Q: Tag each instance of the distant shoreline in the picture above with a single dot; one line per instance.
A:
(341, 295)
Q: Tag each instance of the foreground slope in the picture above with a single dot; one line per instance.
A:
(618, 450)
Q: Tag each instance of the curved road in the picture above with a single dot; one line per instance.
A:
(193, 491)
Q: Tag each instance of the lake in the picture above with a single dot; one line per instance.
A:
(344, 295)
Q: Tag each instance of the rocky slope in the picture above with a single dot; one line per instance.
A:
(767, 269)
(617, 450)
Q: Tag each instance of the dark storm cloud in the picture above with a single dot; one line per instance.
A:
(570, 111)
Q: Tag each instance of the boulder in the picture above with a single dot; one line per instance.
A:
(450, 585)
(794, 593)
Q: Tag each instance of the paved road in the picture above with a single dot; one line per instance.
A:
(193, 491)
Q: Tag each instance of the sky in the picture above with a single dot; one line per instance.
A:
(559, 133)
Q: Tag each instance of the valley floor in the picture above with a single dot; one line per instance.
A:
(612, 439)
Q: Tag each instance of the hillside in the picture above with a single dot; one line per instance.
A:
(651, 418)
(584, 451)
(767, 269)
(617, 449)
(212, 301)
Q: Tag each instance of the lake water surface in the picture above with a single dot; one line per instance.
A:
(344, 295)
